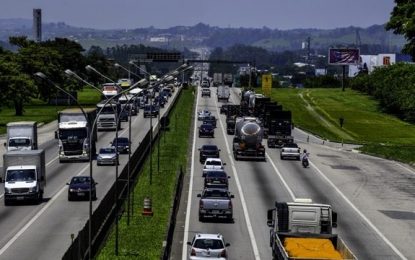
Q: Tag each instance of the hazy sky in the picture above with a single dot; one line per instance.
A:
(281, 14)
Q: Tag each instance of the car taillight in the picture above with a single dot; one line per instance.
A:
(223, 253)
(193, 253)
(230, 205)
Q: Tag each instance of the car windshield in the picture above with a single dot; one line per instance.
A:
(215, 194)
(108, 109)
(216, 174)
(210, 148)
(106, 150)
(21, 175)
(214, 163)
(208, 244)
(80, 179)
(19, 142)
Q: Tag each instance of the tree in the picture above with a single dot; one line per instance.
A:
(402, 21)
(16, 86)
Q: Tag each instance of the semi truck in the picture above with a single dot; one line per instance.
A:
(247, 143)
(75, 134)
(279, 128)
(304, 230)
(108, 115)
(223, 93)
(21, 136)
(24, 176)
(232, 113)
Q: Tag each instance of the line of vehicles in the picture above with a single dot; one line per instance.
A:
(24, 169)
(300, 229)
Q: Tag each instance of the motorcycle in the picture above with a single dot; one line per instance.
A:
(305, 162)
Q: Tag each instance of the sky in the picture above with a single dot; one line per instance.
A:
(274, 14)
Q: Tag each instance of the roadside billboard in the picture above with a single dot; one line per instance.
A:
(343, 56)
(267, 84)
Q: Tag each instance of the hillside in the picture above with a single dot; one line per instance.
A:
(211, 36)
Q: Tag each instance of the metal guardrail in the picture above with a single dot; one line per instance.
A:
(104, 215)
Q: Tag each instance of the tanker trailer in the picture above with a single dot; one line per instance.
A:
(247, 143)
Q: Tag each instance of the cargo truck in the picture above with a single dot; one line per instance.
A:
(21, 136)
(223, 93)
(217, 79)
(231, 113)
(108, 115)
(75, 134)
(304, 230)
(24, 176)
(279, 129)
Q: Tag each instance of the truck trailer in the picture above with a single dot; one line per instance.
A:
(247, 143)
(21, 136)
(24, 176)
(75, 134)
(304, 230)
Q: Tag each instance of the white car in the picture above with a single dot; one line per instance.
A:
(290, 150)
(201, 115)
(213, 163)
(205, 246)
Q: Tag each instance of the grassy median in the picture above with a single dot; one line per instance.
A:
(319, 111)
(143, 238)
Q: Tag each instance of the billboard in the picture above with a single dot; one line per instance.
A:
(343, 56)
(267, 84)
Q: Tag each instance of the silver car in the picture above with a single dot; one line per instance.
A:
(107, 156)
(205, 246)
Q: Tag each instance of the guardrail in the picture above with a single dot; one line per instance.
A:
(104, 215)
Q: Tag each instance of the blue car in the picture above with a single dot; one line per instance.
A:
(79, 188)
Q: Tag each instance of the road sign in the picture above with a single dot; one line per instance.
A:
(267, 84)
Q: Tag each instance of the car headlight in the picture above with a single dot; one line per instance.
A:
(99, 157)
(7, 190)
(71, 190)
(33, 189)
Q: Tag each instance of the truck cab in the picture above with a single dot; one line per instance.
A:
(21, 136)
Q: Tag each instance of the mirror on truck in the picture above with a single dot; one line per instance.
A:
(270, 217)
(334, 218)
(5, 144)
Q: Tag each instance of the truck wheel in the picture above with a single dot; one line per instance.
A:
(6, 202)
(282, 158)
(201, 218)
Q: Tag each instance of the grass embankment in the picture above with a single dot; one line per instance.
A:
(40, 111)
(318, 111)
(143, 238)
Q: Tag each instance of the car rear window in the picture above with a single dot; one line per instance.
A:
(208, 243)
(216, 174)
(215, 194)
(213, 163)
(210, 147)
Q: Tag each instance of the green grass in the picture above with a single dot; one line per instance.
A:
(364, 123)
(39, 111)
(143, 238)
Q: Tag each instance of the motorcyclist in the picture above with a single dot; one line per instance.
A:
(305, 155)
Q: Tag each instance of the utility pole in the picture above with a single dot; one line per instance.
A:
(308, 49)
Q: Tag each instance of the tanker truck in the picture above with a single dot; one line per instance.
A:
(304, 230)
(247, 143)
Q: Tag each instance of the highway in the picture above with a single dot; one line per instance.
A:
(44, 231)
(373, 197)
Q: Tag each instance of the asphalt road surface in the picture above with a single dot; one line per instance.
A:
(374, 198)
(44, 231)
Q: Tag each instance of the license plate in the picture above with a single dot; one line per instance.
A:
(20, 198)
(215, 211)
(81, 193)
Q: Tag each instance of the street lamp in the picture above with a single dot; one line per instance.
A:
(139, 83)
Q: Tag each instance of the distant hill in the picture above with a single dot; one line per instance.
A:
(179, 37)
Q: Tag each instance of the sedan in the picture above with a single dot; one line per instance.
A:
(107, 156)
(206, 130)
(122, 144)
(80, 187)
(208, 151)
(201, 115)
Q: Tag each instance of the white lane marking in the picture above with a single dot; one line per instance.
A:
(189, 197)
(377, 231)
(241, 195)
(35, 217)
(281, 178)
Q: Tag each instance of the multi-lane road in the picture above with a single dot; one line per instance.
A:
(374, 198)
(44, 231)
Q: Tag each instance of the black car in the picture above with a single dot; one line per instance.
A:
(210, 120)
(122, 144)
(206, 130)
(208, 151)
(216, 179)
(80, 186)
(160, 101)
(151, 111)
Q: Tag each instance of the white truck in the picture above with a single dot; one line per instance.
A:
(304, 230)
(223, 93)
(21, 136)
(24, 176)
(108, 115)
